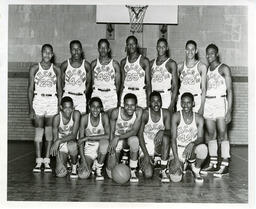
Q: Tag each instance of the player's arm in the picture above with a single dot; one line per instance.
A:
(88, 84)
(117, 76)
(172, 67)
(63, 68)
(144, 120)
(93, 65)
(203, 71)
(106, 134)
(58, 83)
(174, 125)
(31, 86)
(228, 80)
(145, 64)
(179, 68)
(113, 139)
(200, 130)
(56, 140)
(135, 128)
(83, 125)
(122, 79)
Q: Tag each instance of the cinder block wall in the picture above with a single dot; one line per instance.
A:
(31, 26)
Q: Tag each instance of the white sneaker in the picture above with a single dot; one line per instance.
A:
(99, 176)
(73, 174)
(134, 178)
(37, 168)
(47, 168)
(164, 177)
(196, 173)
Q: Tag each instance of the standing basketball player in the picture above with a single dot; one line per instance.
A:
(164, 78)
(192, 75)
(105, 77)
(135, 73)
(187, 138)
(154, 136)
(218, 109)
(124, 125)
(65, 128)
(44, 94)
(94, 140)
(76, 76)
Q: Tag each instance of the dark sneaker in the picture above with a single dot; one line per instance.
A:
(37, 168)
(134, 178)
(164, 177)
(223, 170)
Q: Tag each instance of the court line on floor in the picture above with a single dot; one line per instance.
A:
(238, 156)
(19, 157)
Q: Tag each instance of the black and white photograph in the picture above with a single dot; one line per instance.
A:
(131, 102)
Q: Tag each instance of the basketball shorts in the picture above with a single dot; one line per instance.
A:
(45, 105)
(215, 108)
(140, 94)
(197, 99)
(108, 98)
(151, 148)
(63, 147)
(131, 143)
(78, 100)
(91, 149)
(166, 98)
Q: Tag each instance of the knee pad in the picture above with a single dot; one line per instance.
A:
(213, 147)
(48, 133)
(61, 171)
(103, 147)
(201, 151)
(133, 142)
(72, 148)
(225, 149)
(39, 133)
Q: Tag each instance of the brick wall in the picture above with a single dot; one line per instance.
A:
(32, 26)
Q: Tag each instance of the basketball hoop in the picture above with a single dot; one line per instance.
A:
(136, 14)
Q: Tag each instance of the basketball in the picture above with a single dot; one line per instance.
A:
(177, 176)
(121, 173)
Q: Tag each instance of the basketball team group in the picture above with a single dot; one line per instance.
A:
(151, 116)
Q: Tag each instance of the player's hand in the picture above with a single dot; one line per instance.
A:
(32, 114)
(81, 141)
(113, 144)
(54, 148)
(188, 151)
(200, 111)
(159, 137)
(228, 117)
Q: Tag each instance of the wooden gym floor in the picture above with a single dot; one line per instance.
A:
(23, 185)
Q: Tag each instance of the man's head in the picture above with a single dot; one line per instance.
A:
(212, 53)
(67, 106)
(132, 45)
(191, 49)
(95, 106)
(130, 103)
(76, 49)
(187, 102)
(155, 101)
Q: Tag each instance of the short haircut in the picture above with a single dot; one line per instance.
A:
(95, 99)
(187, 94)
(103, 40)
(131, 96)
(132, 37)
(191, 42)
(66, 99)
(75, 42)
(212, 46)
(47, 45)
(155, 93)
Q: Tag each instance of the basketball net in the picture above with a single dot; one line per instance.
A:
(136, 14)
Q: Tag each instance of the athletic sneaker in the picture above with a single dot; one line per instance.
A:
(47, 168)
(157, 162)
(164, 177)
(37, 168)
(73, 174)
(124, 160)
(212, 167)
(223, 170)
(134, 178)
(99, 176)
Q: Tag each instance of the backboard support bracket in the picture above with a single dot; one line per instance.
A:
(110, 31)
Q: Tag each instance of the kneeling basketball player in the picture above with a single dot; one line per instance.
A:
(65, 128)
(187, 138)
(94, 140)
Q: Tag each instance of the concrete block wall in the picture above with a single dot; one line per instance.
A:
(31, 26)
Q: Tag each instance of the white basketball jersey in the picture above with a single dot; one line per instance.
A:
(75, 78)
(186, 133)
(94, 130)
(216, 85)
(151, 128)
(134, 74)
(104, 76)
(160, 77)
(45, 80)
(190, 79)
(123, 126)
(65, 129)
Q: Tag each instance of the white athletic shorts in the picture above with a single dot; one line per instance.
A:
(78, 100)
(180, 150)
(140, 94)
(63, 147)
(215, 108)
(108, 98)
(197, 100)
(45, 105)
(91, 149)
